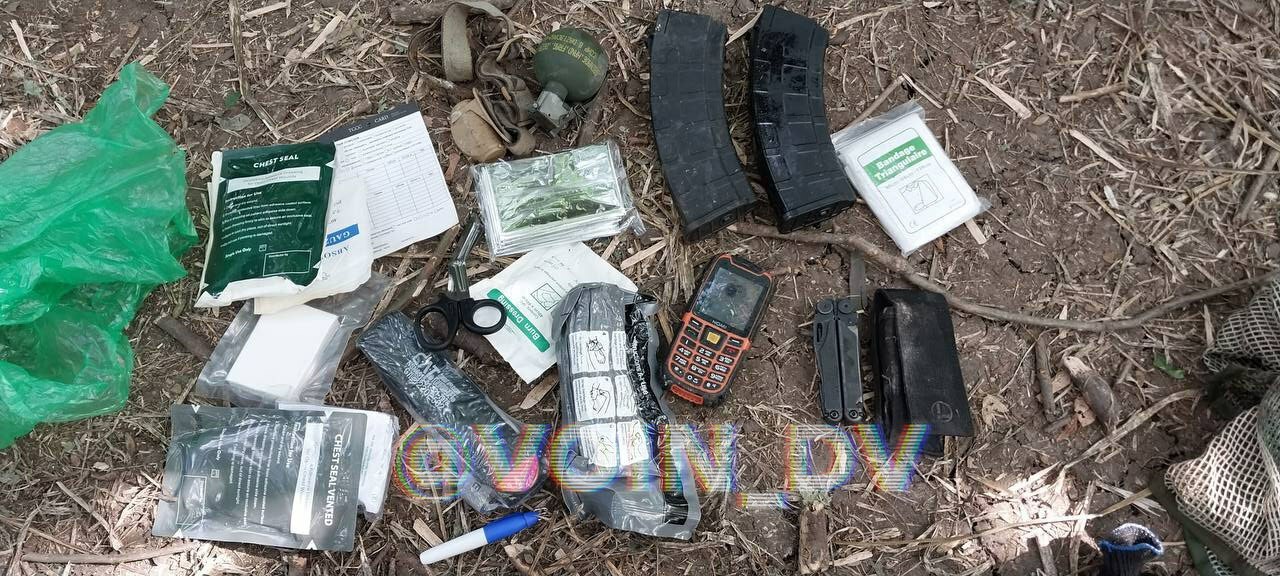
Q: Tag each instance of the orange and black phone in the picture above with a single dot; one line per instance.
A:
(715, 332)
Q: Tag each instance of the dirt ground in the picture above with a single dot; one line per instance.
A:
(1100, 206)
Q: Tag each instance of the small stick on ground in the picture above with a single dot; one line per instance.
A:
(237, 48)
(1044, 375)
(19, 542)
(112, 537)
(880, 100)
(901, 267)
(428, 271)
(1088, 94)
(194, 344)
(1046, 555)
(109, 558)
(1255, 188)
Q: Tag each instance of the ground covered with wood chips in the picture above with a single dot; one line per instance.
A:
(1116, 143)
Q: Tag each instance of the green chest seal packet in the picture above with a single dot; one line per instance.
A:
(269, 220)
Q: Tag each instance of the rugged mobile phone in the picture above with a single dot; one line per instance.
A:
(715, 332)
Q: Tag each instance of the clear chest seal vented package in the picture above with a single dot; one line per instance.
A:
(287, 478)
(611, 402)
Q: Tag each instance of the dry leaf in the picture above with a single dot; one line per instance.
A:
(535, 396)
(993, 406)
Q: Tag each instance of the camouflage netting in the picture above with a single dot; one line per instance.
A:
(1245, 356)
(1228, 499)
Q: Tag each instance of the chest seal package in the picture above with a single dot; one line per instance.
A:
(437, 393)
(263, 476)
(610, 390)
(268, 221)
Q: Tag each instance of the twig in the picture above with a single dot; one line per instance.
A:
(188, 339)
(22, 40)
(1013, 103)
(951, 541)
(1044, 370)
(237, 47)
(250, 15)
(1077, 531)
(427, 273)
(900, 266)
(880, 100)
(1046, 555)
(1098, 149)
(1255, 188)
(1088, 94)
(907, 544)
(112, 537)
(19, 542)
(1260, 181)
(1247, 104)
(1129, 426)
(745, 28)
(109, 558)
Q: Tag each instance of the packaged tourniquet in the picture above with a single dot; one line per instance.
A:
(611, 397)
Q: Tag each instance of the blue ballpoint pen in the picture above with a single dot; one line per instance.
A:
(494, 531)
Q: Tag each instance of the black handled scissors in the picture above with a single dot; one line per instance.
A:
(456, 306)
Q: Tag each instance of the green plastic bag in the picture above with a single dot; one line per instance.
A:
(93, 216)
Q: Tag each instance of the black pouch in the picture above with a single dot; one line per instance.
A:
(437, 393)
(917, 369)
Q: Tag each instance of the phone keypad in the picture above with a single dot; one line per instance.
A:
(704, 356)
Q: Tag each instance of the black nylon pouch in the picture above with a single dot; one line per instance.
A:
(917, 368)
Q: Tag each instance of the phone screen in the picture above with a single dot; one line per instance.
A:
(730, 298)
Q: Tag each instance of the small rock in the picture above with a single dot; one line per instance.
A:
(234, 123)
(1273, 251)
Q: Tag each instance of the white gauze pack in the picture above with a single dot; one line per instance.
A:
(347, 259)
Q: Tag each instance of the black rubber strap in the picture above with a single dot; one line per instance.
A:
(802, 175)
(702, 170)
